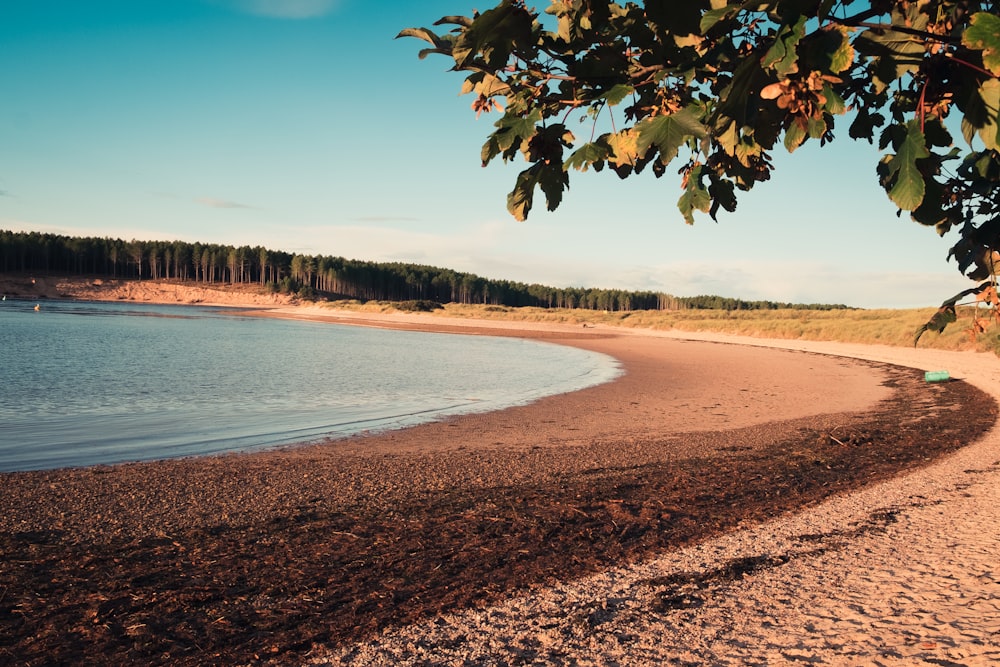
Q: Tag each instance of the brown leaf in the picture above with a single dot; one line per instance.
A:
(772, 91)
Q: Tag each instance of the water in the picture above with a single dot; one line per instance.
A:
(97, 383)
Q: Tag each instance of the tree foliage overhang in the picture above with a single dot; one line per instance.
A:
(716, 85)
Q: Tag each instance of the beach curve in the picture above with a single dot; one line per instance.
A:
(899, 573)
(162, 515)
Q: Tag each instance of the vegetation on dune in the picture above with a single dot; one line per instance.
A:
(872, 327)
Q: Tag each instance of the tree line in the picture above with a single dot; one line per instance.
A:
(322, 276)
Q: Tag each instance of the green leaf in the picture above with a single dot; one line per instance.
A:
(492, 36)
(843, 57)
(710, 18)
(967, 252)
(695, 197)
(747, 77)
(586, 155)
(748, 151)
(576, 19)
(936, 209)
(464, 21)
(882, 43)
(484, 83)
(864, 124)
(895, 53)
(983, 34)
(817, 128)
(795, 135)
(907, 182)
(550, 178)
(421, 33)
(835, 104)
(722, 10)
(728, 138)
(781, 57)
(990, 94)
(442, 45)
(941, 319)
(946, 314)
(618, 93)
(520, 199)
(723, 195)
(514, 130)
(937, 134)
(623, 147)
(668, 133)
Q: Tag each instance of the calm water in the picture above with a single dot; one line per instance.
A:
(87, 383)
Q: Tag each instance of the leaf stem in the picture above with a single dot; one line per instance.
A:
(971, 66)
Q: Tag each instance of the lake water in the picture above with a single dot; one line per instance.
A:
(89, 383)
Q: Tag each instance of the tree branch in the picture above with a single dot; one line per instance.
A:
(644, 71)
(857, 18)
(906, 31)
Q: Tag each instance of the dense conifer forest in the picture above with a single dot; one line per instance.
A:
(312, 276)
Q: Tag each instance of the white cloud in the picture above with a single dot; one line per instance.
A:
(286, 9)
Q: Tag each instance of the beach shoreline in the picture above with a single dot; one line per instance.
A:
(219, 559)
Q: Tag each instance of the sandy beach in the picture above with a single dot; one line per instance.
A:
(903, 572)
(727, 501)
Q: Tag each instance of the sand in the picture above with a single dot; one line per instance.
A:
(43, 287)
(899, 573)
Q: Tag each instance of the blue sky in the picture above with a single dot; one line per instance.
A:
(302, 125)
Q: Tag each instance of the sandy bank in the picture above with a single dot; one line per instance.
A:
(41, 287)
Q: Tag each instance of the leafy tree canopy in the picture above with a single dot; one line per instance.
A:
(715, 86)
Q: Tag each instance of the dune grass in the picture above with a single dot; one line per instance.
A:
(878, 327)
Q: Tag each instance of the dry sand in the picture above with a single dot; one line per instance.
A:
(902, 573)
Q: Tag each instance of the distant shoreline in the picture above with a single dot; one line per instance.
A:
(877, 327)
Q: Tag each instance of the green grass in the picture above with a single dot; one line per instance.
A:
(878, 327)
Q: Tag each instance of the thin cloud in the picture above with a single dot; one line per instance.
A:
(286, 9)
(212, 202)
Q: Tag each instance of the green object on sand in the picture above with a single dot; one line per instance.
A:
(936, 376)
